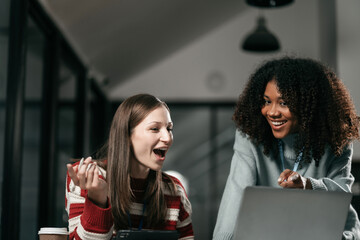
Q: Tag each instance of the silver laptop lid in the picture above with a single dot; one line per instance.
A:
(275, 213)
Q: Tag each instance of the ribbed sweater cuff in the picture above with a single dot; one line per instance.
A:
(317, 184)
(97, 216)
(222, 236)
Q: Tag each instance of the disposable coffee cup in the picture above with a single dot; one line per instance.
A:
(53, 233)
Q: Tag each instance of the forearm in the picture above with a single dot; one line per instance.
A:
(352, 226)
(328, 184)
(86, 219)
(338, 175)
(242, 174)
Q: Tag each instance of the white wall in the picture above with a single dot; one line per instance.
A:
(216, 56)
(348, 22)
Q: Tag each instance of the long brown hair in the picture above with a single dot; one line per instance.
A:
(128, 115)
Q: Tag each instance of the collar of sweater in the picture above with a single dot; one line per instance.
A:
(138, 184)
(289, 142)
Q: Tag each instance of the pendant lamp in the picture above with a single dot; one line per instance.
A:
(261, 40)
(268, 3)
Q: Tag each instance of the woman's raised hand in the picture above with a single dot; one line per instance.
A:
(291, 179)
(86, 176)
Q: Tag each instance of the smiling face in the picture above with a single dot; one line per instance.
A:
(151, 139)
(277, 113)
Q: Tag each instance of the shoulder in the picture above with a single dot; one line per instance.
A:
(241, 136)
(243, 141)
(172, 178)
(180, 198)
(168, 177)
(346, 153)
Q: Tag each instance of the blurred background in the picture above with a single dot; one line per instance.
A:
(65, 66)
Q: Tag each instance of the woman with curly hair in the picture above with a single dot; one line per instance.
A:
(127, 189)
(295, 126)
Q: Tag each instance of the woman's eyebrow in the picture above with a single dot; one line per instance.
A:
(157, 122)
(153, 122)
(278, 98)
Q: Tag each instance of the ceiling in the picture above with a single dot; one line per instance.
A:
(119, 38)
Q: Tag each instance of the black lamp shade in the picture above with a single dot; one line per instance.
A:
(261, 40)
(268, 3)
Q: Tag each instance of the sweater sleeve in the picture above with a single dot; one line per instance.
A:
(184, 224)
(86, 220)
(242, 174)
(339, 178)
(352, 226)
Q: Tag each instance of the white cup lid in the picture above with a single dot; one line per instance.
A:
(53, 230)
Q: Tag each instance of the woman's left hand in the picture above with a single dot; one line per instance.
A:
(291, 179)
(87, 177)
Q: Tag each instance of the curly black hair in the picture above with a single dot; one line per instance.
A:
(313, 93)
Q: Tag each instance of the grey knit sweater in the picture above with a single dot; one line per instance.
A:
(251, 167)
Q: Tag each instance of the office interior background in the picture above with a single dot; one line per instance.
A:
(65, 66)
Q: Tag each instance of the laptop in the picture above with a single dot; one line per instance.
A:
(146, 235)
(276, 214)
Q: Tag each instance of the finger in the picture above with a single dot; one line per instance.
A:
(299, 180)
(284, 175)
(288, 184)
(97, 178)
(294, 181)
(86, 163)
(72, 173)
(295, 177)
(90, 176)
(81, 162)
(88, 160)
(82, 175)
(83, 165)
(71, 169)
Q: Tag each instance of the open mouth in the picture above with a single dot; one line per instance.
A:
(160, 152)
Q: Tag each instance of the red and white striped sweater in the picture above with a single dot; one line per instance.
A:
(88, 221)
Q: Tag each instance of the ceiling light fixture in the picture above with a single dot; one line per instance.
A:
(268, 3)
(261, 40)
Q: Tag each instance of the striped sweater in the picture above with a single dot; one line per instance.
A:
(88, 221)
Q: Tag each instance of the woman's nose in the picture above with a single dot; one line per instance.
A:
(273, 111)
(166, 136)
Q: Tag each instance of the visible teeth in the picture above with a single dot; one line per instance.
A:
(278, 123)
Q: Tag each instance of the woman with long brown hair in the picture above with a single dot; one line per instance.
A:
(127, 189)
